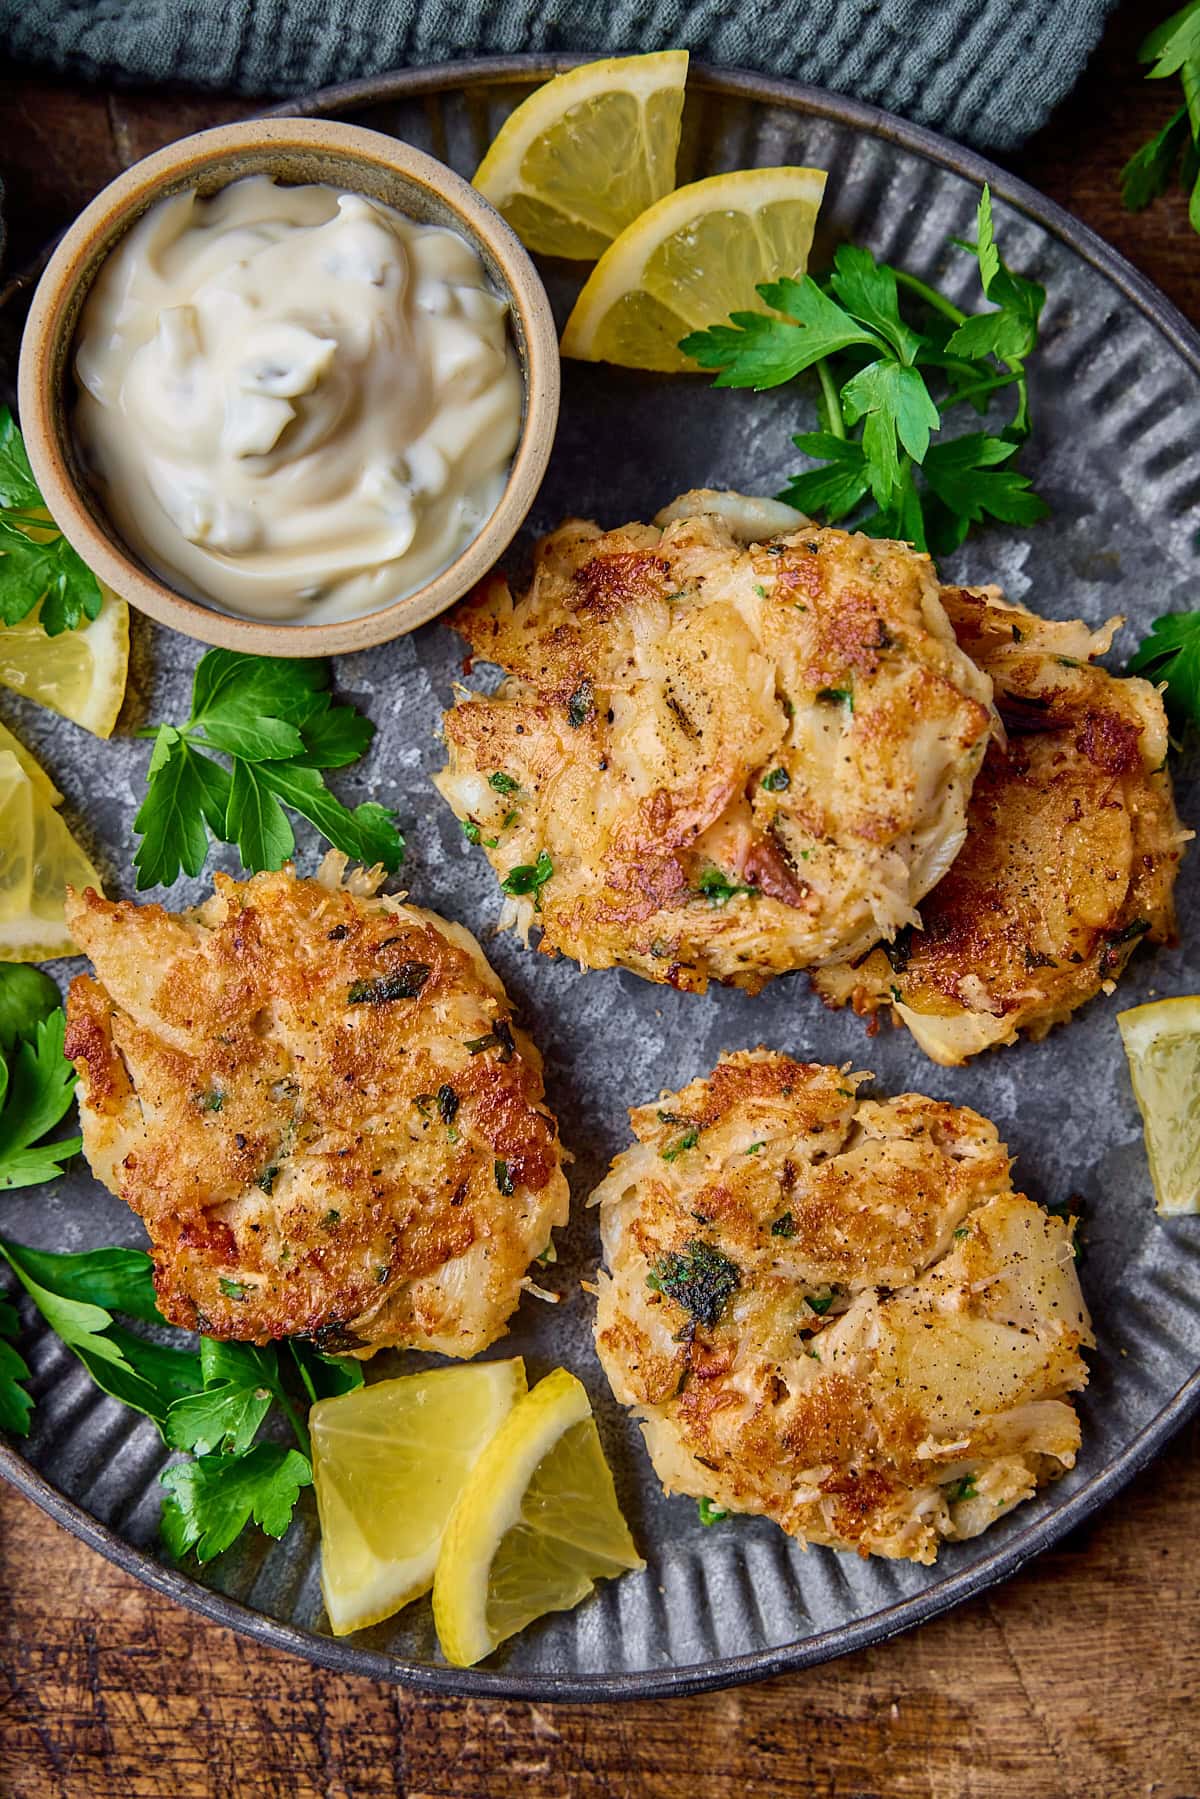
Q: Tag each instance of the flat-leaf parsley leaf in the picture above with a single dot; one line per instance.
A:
(275, 720)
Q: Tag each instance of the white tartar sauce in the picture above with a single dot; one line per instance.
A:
(295, 403)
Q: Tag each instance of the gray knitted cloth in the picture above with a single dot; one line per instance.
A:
(988, 71)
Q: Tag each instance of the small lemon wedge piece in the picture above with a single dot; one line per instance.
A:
(535, 1526)
(39, 858)
(586, 153)
(32, 767)
(79, 673)
(690, 261)
(1162, 1042)
(388, 1463)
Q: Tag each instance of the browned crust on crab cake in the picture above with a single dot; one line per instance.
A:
(791, 720)
(283, 1086)
(1072, 850)
(835, 1311)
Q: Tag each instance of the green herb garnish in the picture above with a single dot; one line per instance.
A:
(274, 720)
(504, 1179)
(710, 1512)
(581, 707)
(405, 982)
(962, 1489)
(502, 783)
(48, 574)
(784, 1226)
(718, 889)
(882, 423)
(1173, 49)
(699, 1278)
(777, 780)
(688, 1141)
(529, 877)
(36, 1087)
(1171, 653)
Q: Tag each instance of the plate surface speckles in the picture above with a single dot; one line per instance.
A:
(1116, 450)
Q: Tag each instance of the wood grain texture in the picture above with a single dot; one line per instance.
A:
(1077, 1680)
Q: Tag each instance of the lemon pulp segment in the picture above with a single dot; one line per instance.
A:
(79, 673)
(39, 858)
(1162, 1043)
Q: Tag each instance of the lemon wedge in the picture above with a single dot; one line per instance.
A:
(79, 673)
(388, 1463)
(534, 1527)
(32, 767)
(691, 260)
(586, 153)
(1162, 1042)
(38, 859)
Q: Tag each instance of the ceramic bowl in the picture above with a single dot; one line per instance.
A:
(292, 150)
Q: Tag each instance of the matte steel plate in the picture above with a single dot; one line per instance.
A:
(1116, 450)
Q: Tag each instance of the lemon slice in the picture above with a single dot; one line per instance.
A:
(690, 261)
(388, 1462)
(78, 673)
(32, 767)
(1162, 1042)
(38, 859)
(536, 1524)
(584, 155)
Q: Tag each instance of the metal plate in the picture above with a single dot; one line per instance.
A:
(1116, 449)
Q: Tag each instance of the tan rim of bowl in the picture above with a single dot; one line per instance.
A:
(294, 150)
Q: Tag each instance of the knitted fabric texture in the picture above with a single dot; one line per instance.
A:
(985, 71)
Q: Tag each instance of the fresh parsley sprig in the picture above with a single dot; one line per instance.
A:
(1171, 653)
(275, 721)
(211, 1404)
(36, 1085)
(38, 567)
(1172, 49)
(885, 387)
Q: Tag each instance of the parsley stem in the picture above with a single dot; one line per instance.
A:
(295, 1420)
(931, 297)
(28, 523)
(829, 395)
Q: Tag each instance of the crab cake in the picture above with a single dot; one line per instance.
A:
(319, 1106)
(1072, 850)
(835, 1311)
(715, 759)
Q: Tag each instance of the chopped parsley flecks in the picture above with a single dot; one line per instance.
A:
(581, 707)
(718, 889)
(689, 1140)
(529, 878)
(698, 1278)
(499, 1037)
(708, 1509)
(404, 982)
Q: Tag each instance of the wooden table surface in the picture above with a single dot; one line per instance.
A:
(1078, 1680)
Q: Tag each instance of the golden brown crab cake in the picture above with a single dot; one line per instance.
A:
(318, 1104)
(713, 759)
(1073, 846)
(835, 1311)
